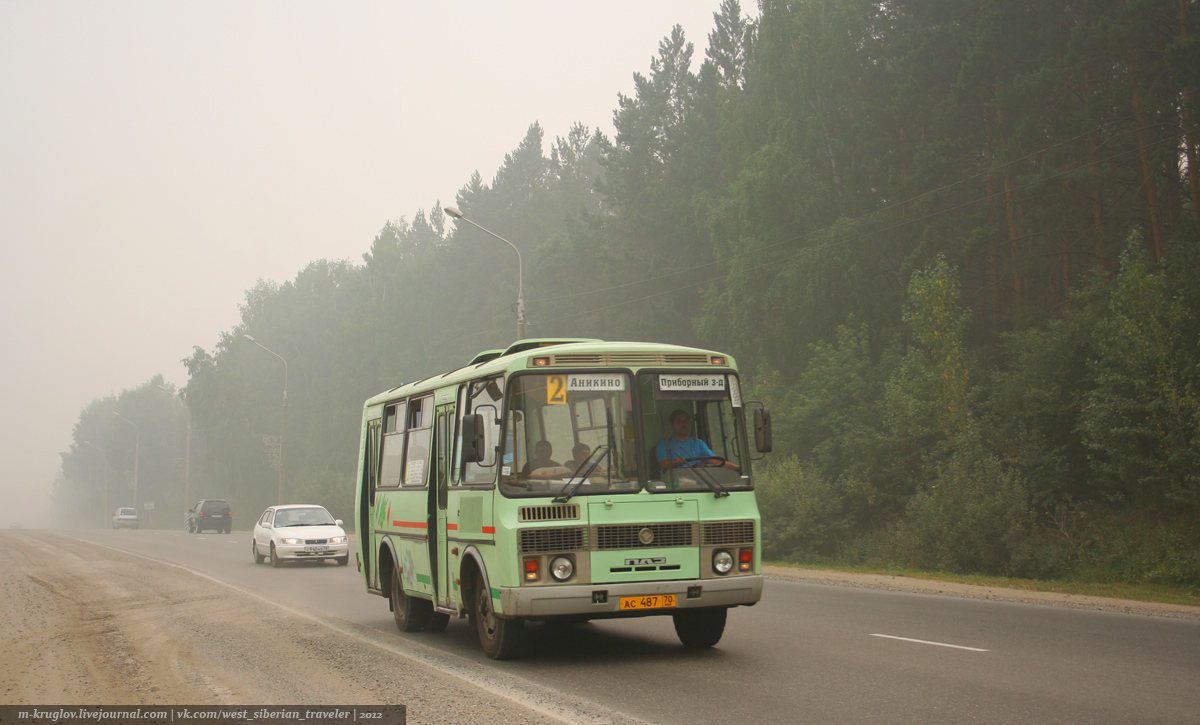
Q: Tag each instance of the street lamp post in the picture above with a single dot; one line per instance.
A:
(283, 429)
(456, 214)
(105, 456)
(187, 451)
(137, 442)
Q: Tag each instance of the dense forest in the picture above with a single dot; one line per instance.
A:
(952, 243)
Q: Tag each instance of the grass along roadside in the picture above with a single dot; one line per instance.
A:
(1161, 593)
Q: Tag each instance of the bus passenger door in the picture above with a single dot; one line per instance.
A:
(440, 494)
(366, 504)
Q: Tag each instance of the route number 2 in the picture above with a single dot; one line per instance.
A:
(556, 389)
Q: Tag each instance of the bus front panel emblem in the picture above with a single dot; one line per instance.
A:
(646, 536)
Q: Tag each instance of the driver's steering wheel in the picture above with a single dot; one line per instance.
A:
(719, 461)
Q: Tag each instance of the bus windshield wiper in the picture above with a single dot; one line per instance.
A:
(710, 481)
(572, 486)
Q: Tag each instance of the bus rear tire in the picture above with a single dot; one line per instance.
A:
(410, 613)
(700, 628)
(500, 638)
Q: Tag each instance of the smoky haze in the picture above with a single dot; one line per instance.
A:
(156, 160)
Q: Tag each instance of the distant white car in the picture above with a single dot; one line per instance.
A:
(125, 518)
(298, 532)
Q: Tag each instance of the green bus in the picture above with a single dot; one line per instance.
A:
(564, 480)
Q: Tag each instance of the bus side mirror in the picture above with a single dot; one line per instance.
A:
(472, 438)
(762, 429)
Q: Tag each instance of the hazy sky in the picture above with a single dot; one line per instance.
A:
(157, 159)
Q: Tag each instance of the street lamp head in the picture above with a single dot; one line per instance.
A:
(251, 339)
(453, 212)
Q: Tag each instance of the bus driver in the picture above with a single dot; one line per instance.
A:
(682, 449)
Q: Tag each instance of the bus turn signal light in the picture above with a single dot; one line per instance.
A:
(531, 570)
(745, 559)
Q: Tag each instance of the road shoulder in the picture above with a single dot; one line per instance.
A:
(972, 591)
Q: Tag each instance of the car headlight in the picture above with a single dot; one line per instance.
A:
(293, 541)
(722, 562)
(562, 568)
(337, 540)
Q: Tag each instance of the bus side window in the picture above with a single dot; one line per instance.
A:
(391, 460)
(416, 462)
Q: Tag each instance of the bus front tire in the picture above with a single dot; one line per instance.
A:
(700, 628)
(410, 613)
(500, 638)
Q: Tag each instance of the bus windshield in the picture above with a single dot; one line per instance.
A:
(569, 434)
(694, 432)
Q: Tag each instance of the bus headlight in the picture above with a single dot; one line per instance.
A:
(722, 562)
(562, 568)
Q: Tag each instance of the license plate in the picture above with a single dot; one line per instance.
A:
(653, 601)
(316, 548)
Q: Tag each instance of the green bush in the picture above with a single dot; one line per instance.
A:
(802, 512)
(970, 520)
(1136, 548)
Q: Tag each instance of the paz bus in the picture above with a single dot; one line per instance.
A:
(564, 480)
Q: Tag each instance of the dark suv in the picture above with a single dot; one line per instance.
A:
(210, 513)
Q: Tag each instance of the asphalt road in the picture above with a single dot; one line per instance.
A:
(806, 653)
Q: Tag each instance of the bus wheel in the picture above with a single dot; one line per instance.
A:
(500, 638)
(437, 622)
(700, 628)
(410, 613)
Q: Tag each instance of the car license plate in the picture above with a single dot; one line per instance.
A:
(316, 548)
(653, 601)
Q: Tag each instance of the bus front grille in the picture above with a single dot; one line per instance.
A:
(630, 536)
(726, 533)
(560, 538)
(554, 512)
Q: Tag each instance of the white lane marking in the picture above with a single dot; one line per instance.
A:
(925, 641)
(230, 541)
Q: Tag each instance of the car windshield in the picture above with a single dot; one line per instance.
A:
(694, 432)
(308, 516)
(569, 434)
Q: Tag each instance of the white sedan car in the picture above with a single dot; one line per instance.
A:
(298, 532)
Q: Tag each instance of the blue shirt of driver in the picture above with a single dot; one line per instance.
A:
(674, 448)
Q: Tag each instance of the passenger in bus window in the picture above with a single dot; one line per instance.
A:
(581, 452)
(542, 450)
(682, 449)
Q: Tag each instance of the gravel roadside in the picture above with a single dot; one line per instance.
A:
(86, 625)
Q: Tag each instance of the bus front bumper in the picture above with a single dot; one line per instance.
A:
(605, 599)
